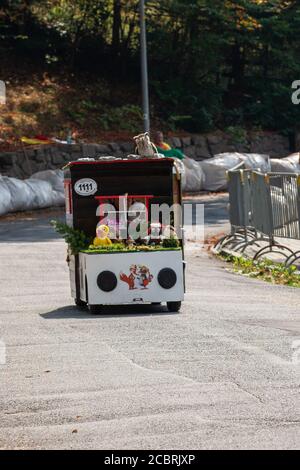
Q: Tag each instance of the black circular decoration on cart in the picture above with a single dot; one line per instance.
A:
(167, 278)
(107, 281)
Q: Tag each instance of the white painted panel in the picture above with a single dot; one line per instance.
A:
(72, 275)
(136, 274)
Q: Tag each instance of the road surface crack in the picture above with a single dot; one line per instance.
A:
(253, 395)
(150, 369)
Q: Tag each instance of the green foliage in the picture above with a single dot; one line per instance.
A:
(29, 106)
(237, 134)
(126, 117)
(103, 249)
(211, 63)
(266, 270)
(121, 247)
(76, 239)
(227, 64)
(128, 249)
(171, 242)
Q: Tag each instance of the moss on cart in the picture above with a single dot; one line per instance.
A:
(128, 250)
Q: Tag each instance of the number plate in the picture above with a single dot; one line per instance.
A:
(85, 187)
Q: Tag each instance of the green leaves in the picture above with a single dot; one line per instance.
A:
(76, 239)
(266, 270)
(211, 63)
(171, 242)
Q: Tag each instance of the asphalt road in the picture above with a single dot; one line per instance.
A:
(217, 375)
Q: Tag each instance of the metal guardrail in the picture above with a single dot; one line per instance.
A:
(239, 187)
(263, 207)
(285, 201)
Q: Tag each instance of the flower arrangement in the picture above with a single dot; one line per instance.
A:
(78, 241)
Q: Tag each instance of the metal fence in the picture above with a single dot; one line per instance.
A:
(285, 201)
(263, 208)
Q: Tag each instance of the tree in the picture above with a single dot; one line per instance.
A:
(211, 63)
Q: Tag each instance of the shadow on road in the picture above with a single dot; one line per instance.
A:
(109, 311)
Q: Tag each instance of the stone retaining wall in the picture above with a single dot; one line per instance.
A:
(23, 163)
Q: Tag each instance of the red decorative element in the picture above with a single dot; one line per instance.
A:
(68, 196)
(128, 279)
(146, 197)
(139, 277)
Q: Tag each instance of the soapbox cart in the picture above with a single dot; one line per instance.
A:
(150, 271)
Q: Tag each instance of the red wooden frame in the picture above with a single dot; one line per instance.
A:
(68, 196)
(147, 197)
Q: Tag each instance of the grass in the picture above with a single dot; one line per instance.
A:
(265, 270)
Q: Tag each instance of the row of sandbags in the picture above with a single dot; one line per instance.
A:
(210, 174)
(46, 189)
(41, 190)
(290, 164)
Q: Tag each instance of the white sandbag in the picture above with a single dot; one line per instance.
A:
(193, 176)
(215, 168)
(288, 164)
(215, 171)
(5, 198)
(215, 176)
(226, 160)
(42, 191)
(22, 196)
(54, 177)
(256, 161)
(293, 158)
(252, 161)
(58, 199)
(282, 166)
(28, 195)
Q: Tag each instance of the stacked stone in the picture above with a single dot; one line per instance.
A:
(23, 163)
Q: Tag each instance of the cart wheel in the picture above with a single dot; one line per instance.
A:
(95, 309)
(174, 306)
(80, 303)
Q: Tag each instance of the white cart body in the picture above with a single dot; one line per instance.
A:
(137, 277)
(132, 286)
